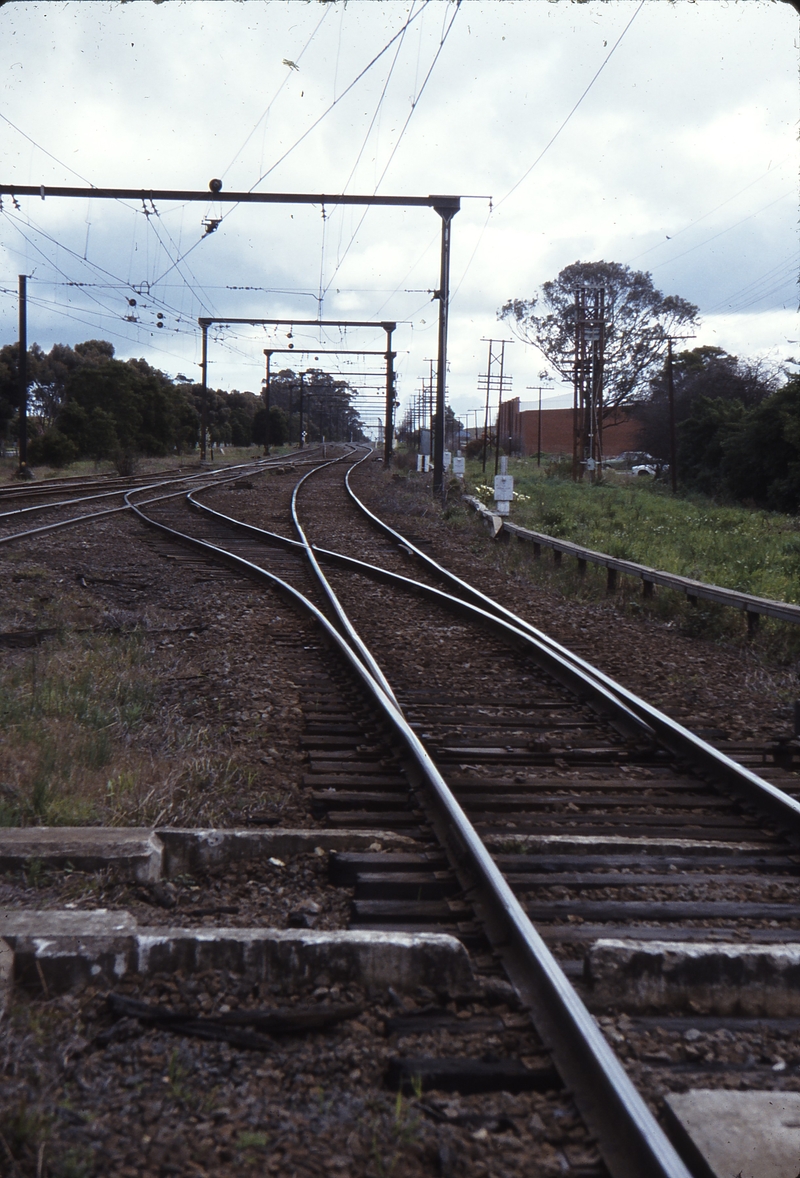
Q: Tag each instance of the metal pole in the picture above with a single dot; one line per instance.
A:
(204, 393)
(539, 439)
(575, 395)
(499, 406)
(299, 428)
(447, 215)
(23, 372)
(302, 385)
(389, 426)
(486, 412)
(267, 430)
(672, 445)
(600, 376)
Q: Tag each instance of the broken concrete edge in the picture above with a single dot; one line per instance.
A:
(684, 1143)
(145, 855)
(720, 978)
(58, 963)
(135, 853)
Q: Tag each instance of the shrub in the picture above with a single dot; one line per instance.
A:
(52, 449)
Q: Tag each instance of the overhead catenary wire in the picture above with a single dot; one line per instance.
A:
(493, 208)
(409, 20)
(440, 47)
(297, 58)
(556, 134)
(727, 229)
(787, 268)
(95, 266)
(678, 232)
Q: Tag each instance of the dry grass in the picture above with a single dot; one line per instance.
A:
(86, 739)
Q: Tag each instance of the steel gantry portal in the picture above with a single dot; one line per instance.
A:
(206, 321)
(445, 206)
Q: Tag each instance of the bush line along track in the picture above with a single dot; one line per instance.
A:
(634, 760)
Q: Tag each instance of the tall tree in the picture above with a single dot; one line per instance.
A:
(706, 372)
(638, 319)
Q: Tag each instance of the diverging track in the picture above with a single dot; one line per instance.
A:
(621, 836)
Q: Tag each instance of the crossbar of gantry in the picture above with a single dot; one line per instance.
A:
(445, 206)
(390, 401)
(386, 325)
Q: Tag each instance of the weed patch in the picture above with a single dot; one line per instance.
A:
(750, 551)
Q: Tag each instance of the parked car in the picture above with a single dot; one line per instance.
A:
(629, 459)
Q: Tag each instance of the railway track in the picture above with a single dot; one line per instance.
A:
(56, 503)
(533, 790)
(604, 833)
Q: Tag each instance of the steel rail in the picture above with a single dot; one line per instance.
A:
(631, 1141)
(4, 515)
(78, 519)
(639, 716)
(257, 465)
(63, 523)
(574, 679)
(680, 741)
(350, 632)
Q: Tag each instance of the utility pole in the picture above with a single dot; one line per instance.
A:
(499, 407)
(446, 209)
(391, 405)
(204, 392)
(587, 405)
(300, 431)
(533, 389)
(494, 380)
(23, 372)
(267, 430)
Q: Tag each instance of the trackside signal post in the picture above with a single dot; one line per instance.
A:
(445, 206)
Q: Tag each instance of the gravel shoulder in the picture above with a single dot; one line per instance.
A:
(707, 685)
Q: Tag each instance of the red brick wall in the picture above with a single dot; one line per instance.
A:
(620, 432)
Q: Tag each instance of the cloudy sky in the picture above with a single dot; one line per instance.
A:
(661, 135)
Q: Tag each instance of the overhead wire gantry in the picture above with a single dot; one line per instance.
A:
(445, 206)
(206, 321)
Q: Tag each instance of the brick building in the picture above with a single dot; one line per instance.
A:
(520, 423)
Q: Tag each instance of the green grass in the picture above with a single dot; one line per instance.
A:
(66, 709)
(748, 550)
(87, 468)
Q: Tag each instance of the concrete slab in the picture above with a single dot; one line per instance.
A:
(567, 844)
(187, 851)
(134, 853)
(290, 957)
(147, 855)
(723, 1134)
(63, 922)
(721, 978)
(56, 951)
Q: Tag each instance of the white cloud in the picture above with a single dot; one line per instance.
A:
(697, 104)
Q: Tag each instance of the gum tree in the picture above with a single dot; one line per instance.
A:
(638, 320)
